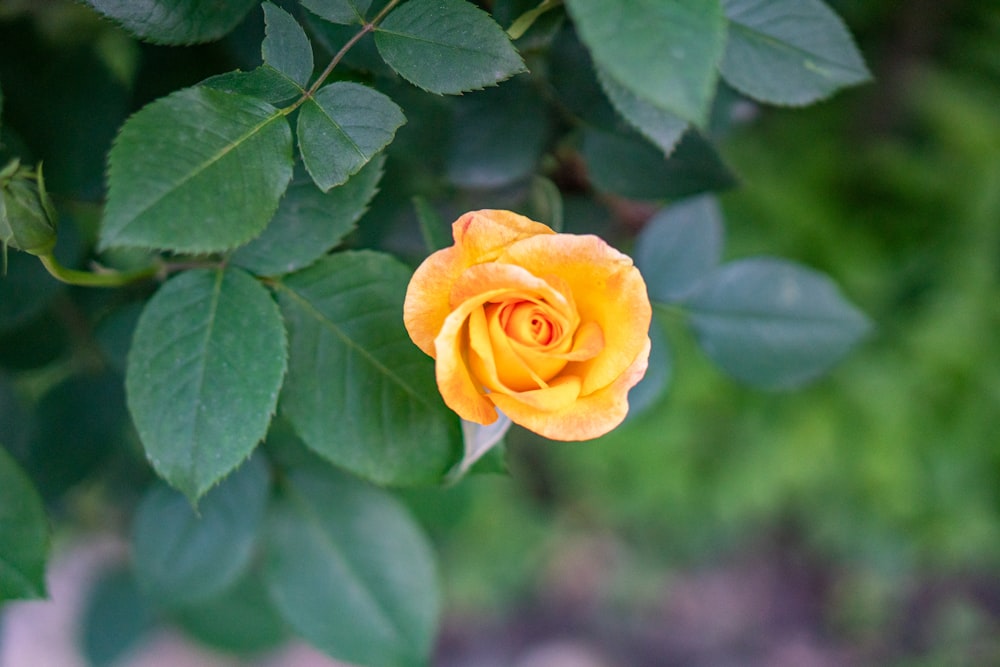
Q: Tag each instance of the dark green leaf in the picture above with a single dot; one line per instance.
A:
(115, 619)
(659, 126)
(679, 247)
(114, 334)
(196, 171)
(545, 203)
(37, 343)
(358, 391)
(498, 135)
(24, 534)
(663, 51)
(789, 51)
(339, 11)
(446, 46)
(264, 83)
(351, 572)
(286, 47)
(25, 291)
(175, 21)
(241, 620)
(773, 323)
(81, 422)
(183, 556)
(203, 375)
(342, 127)
(434, 230)
(633, 168)
(310, 222)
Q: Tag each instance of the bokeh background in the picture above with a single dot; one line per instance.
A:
(852, 522)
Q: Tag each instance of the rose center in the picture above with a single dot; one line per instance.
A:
(528, 323)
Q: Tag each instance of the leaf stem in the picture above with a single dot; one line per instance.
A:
(106, 278)
(365, 29)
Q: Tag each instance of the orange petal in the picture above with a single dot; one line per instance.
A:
(460, 391)
(585, 418)
(607, 290)
(559, 395)
(483, 235)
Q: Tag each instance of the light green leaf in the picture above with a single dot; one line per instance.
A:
(196, 171)
(309, 223)
(174, 21)
(342, 127)
(773, 323)
(359, 392)
(203, 375)
(286, 47)
(658, 374)
(659, 126)
(24, 534)
(264, 83)
(631, 167)
(663, 51)
(446, 46)
(339, 11)
(182, 556)
(351, 572)
(679, 247)
(789, 51)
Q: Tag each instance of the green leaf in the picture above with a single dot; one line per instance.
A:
(309, 223)
(658, 374)
(664, 51)
(630, 167)
(196, 171)
(679, 247)
(25, 291)
(772, 323)
(342, 127)
(545, 203)
(498, 135)
(358, 392)
(174, 21)
(183, 556)
(339, 11)
(286, 47)
(24, 534)
(479, 440)
(241, 620)
(203, 375)
(659, 126)
(264, 83)
(789, 51)
(351, 572)
(116, 618)
(81, 423)
(446, 46)
(435, 232)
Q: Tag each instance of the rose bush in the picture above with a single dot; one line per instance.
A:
(551, 329)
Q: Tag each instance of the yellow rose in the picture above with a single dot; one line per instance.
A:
(552, 329)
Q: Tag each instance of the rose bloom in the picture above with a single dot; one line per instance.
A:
(552, 329)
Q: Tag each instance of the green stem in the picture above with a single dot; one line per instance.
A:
(365, 29)
(103, 279)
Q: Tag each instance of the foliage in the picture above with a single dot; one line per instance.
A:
(252, 279)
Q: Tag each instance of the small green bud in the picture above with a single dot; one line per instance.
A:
(27, 217)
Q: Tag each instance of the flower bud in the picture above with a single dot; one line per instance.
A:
(27, 217)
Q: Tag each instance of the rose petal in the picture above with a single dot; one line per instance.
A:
(607, 289)
(479, 237)
(559, 395)
(587, 417)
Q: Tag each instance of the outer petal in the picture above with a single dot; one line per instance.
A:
(607, 289)
(586, 418)
(479, 237)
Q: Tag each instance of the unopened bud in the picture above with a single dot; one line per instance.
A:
(27, 217)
